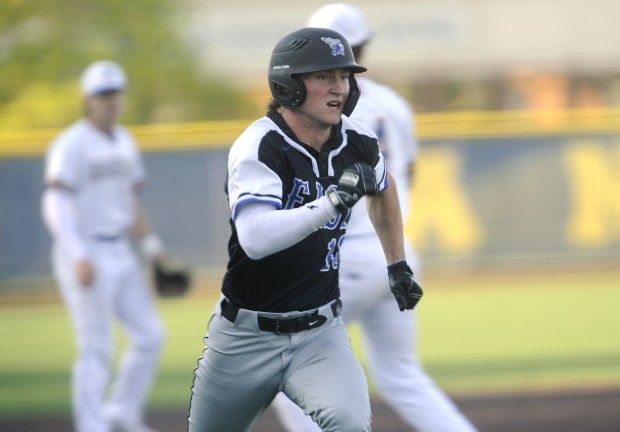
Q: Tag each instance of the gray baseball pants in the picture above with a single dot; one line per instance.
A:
(243, 368)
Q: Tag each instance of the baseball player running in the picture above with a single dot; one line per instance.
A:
(390, 335)
(90, 206)
(293, 177)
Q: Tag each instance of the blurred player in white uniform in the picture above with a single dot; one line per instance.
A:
(93, 172)
(390, 335)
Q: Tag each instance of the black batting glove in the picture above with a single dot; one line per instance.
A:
(356, 181)
(405, 288)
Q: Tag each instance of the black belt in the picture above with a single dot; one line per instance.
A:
(283, 325)
(107, 238)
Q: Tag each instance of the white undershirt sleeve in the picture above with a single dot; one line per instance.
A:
(263, 230)
(59, 216)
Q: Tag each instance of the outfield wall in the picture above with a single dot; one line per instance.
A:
(491, 189)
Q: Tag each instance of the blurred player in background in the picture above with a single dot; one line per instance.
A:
(390, 335)
(293, 177)
(93, 172)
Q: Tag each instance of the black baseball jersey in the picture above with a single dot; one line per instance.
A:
(268, 164)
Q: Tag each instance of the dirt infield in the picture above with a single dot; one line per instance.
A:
(594, 410)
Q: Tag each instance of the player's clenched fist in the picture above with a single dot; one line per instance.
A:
(405, 288)
(356, 181)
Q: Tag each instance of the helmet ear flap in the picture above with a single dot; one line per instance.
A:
(354, 96)
(288, 91)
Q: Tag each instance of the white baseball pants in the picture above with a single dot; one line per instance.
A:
(118, 293)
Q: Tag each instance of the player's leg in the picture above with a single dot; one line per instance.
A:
(357, 294)
(92, 318)
(327, 381)
(292, 417)
(136, 310)
(403, 383)
(237, 377)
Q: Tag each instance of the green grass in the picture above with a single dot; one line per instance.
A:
(497, 334)
(491, 334)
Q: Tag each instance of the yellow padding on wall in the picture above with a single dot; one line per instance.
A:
(429, 126)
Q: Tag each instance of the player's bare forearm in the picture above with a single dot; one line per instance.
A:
(141, 225)
(386, 217)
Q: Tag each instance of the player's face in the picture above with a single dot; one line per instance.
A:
(326, 93)
(105, 109)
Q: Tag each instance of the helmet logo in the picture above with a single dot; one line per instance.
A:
(335, 45)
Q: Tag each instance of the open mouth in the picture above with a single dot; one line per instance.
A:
(334, 104)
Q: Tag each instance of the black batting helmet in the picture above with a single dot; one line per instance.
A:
(310, 50)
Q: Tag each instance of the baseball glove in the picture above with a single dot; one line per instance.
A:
(171, 278)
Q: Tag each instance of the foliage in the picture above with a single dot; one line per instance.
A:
(45, 45)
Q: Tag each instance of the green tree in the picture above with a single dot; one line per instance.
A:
(46, 44)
